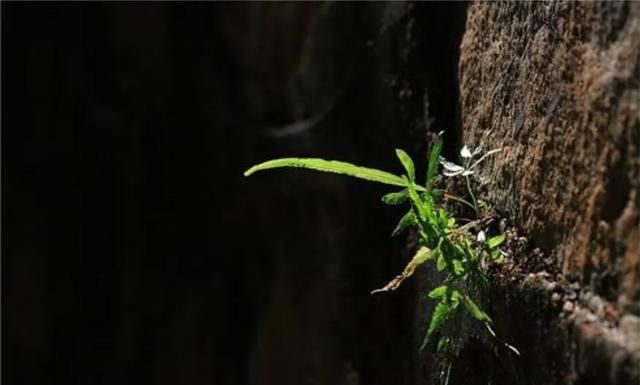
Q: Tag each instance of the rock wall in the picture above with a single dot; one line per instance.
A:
(556, 85)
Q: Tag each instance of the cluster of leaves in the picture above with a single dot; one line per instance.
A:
(456, 246)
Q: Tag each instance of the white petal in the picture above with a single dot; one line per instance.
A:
(451, 173)
(450, 166)
(467, 172)
(513, 349)
(465, 152)
(481, 236)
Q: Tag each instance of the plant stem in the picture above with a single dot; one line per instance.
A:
(465, 227)
(473, 197)
(446, 382)
(455, 198)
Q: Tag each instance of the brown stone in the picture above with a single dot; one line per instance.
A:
(557, 87)
(568, 307)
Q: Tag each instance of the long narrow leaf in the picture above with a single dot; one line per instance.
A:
(439, 292)
(417, 203)
(474, 310)
(396, 198)
(333, 166)
(441, 262)
(407, 220)
(434, 161)
(407, 163)
(422, 255)
(440, 314)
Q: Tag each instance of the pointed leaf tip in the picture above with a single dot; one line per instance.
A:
(407, 163)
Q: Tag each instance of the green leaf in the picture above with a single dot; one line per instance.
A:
(418, 204)
(434, 161)
(439, 292)
(437, 193)
(422, 255)
(454, 295)
(332, 166)
(407, 220)
(481, 278)
(457, 267)
(441, 263)
(407, 163)
(497, 256)
(495, 241)
(443, 343)
(396, 198)
(474, 309)
(440, 314)
(444, 221)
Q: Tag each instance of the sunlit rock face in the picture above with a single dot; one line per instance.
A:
(557, 86)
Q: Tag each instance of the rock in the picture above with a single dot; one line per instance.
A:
(556, 86)
(630, 324)
(561, 98)
(568, 307)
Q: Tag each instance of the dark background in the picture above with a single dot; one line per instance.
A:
(136, 253)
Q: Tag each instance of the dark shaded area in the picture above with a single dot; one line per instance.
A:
(135, 252)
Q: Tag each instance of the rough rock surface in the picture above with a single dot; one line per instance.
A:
(557, 86)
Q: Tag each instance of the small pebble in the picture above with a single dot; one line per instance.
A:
(596, 305)
(630, 324)
(568, 307)
(585, 295)
(590, 317)
(556, 298)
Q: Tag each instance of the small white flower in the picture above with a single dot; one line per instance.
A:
(452, 169)
(481, 237)
(465, 152)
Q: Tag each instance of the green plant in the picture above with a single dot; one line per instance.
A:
(457, 246)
